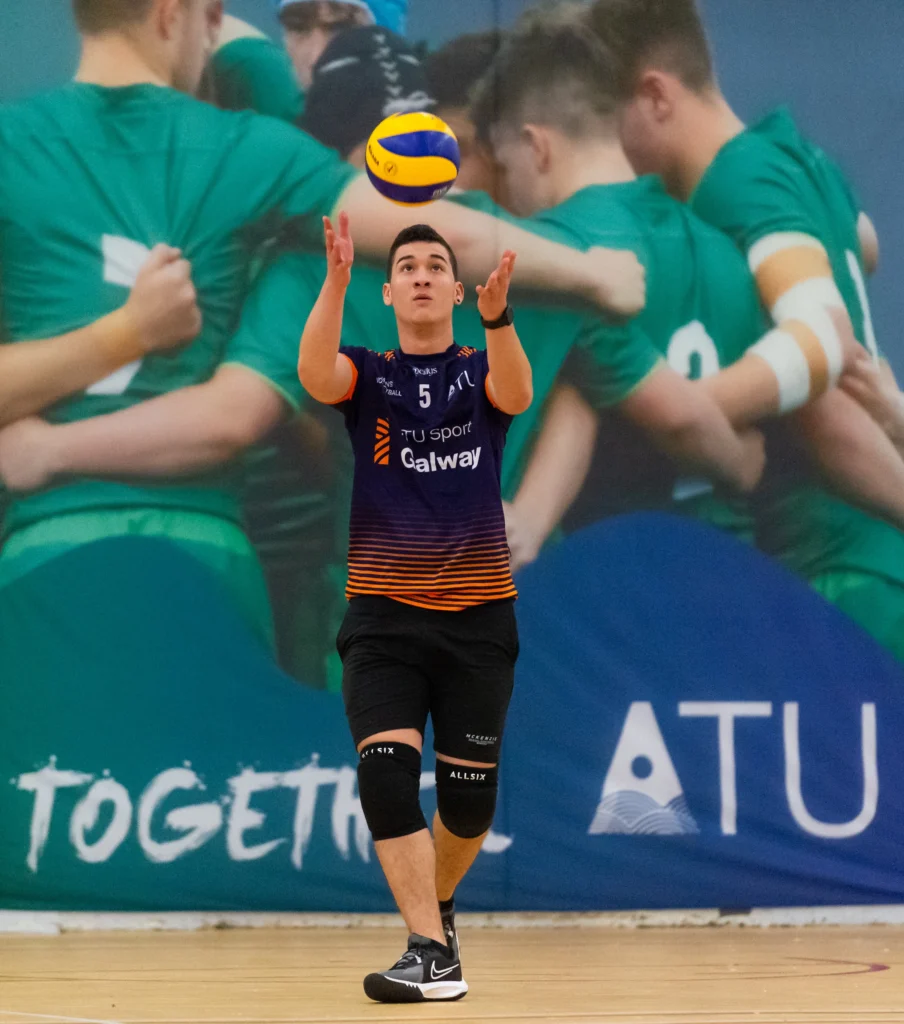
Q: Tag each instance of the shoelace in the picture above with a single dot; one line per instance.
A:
(409, 959)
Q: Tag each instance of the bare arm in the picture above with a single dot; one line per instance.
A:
(161, 312)
(173, 435)
(611, 279)
(854, 455)
(555, 474)
(751, 390)
(869, 243)
(510, 380)
(876, 390)
(686, 422)
(325, 374)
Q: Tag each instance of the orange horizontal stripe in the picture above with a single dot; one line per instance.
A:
(406, 586)
(781, 272)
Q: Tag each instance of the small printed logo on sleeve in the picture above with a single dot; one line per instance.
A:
(381, 447)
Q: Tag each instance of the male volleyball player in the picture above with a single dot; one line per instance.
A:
(431, 625)
(94, 174)
(792, 214)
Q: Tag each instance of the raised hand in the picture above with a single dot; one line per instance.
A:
(492, 298)
(163, 305)
(340, 251)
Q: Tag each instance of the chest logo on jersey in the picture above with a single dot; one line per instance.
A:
(437, 463)
(461, 381)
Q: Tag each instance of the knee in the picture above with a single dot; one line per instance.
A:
(466, 798)
(389, 783)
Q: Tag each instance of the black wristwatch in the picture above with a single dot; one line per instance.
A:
(505, 320)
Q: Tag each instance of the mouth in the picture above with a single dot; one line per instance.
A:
(423, 298)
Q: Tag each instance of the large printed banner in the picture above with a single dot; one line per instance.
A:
(692, 727)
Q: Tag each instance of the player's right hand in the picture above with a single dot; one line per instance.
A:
(340, 251)
(163, 305)
(618, 280)
(753, 462)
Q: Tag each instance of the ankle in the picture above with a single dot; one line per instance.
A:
(446, 906)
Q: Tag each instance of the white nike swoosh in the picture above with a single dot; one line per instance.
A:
(435, 974)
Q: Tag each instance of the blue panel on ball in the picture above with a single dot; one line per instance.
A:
(415, 144)
(407, 193)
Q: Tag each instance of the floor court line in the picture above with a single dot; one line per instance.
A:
(51, 1018)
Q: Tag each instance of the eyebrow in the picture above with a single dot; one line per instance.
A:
(433, 256)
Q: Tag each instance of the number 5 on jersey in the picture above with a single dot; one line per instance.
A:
(425, 396)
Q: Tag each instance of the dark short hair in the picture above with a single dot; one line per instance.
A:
(95, 16)
(454, 69)
(330, 14)
(665, 34)
(419, 233)
(550, 71)
(364, 75)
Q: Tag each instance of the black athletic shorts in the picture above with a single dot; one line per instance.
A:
(401, 663)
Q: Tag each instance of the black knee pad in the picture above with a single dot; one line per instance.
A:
(466, 798)
(389, 785)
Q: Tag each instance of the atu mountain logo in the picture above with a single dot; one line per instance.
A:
(641, 793)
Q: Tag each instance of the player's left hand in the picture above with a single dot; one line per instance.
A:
(492, 298)
(866, 384)
(25, 450)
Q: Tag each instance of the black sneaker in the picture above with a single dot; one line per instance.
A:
(426, 971)
(447, 914)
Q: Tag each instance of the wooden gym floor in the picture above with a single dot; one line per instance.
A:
(579, 976)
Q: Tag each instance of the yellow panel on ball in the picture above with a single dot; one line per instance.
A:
(413, 159)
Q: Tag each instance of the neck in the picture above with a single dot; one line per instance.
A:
(425, 339)
(114, 60)
(710, 123)
(589, 163)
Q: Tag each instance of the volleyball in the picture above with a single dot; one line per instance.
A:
(413, 159)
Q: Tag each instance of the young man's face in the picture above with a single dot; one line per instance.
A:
(521, 165)
(422, 289)
(479, 172)
(643, 137)
(305, 49)
(196, 28)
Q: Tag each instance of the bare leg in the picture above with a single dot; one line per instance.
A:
(409, 865)
(409, 862)
(454, 855)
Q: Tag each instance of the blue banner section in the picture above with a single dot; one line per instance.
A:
(676, 740)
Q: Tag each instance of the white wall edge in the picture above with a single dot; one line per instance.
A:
(54, 923)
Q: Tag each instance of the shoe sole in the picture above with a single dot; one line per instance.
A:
(389, 990)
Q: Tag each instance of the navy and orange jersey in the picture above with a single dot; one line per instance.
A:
(427, 526)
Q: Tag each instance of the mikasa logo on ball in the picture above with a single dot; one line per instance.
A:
(413, 158)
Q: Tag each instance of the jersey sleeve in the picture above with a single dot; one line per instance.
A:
(481, 360)
(289, 171)
(272, 322)
(610, 361)
(256, 74)
(750, 192)
(350, 402)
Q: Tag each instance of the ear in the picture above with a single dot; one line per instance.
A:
(387, 294)
(214, 22)
(657, 90)
(459, 293)
(167, 16)
(538, 141)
